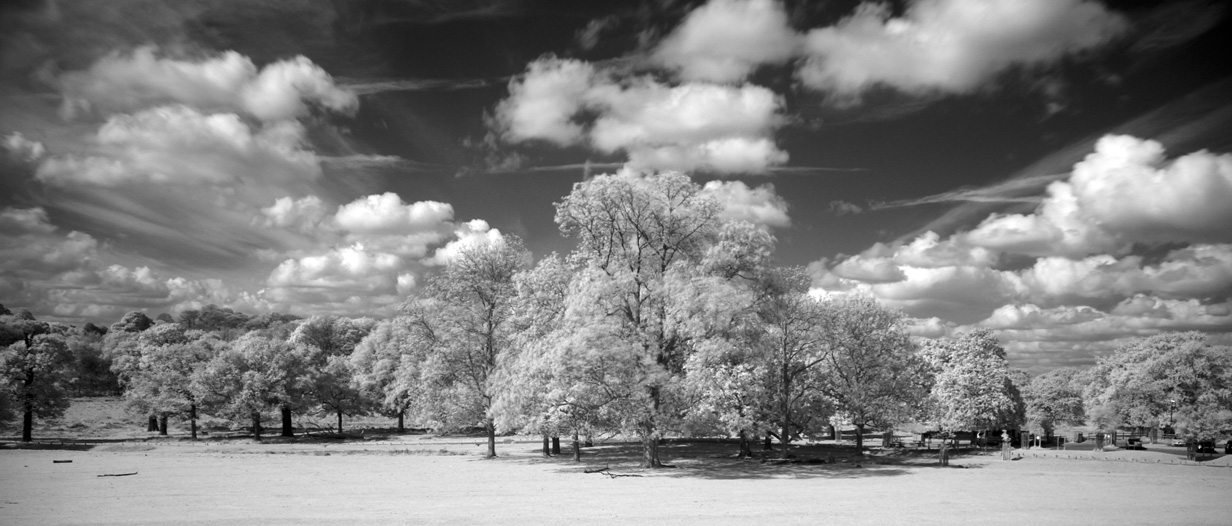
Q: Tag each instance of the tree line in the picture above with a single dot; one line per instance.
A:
(666, 320)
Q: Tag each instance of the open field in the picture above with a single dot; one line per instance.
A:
(443, 480)
(383, 478)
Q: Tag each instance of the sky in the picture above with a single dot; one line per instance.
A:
(1058, 171)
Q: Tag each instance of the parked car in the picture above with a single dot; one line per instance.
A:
(1134, 443)
(1206, 446)
(1178, 442)
(1227, 447)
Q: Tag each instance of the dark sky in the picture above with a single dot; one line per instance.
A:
(1057, 171)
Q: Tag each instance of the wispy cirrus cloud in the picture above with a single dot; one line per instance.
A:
(373, 86)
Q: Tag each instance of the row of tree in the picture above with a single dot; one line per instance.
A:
(665, 320)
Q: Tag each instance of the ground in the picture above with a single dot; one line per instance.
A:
(424, 479)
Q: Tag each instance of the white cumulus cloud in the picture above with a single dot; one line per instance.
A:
(1125, 191)
(180, 145)
(759, 205)
(726, 129)
(228, 82)
(726, 40)
(950, 46)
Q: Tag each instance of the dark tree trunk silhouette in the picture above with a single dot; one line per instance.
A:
(151, 423)
(859, 439)
(402, 421)
(287, 430)
(650, 452)
(192, 419)
(577, 447)
(256, 425)
(491, 429)
(746, 448)
(27, 420)
(162, 425)
(339, 421)
(547, 452)
(555, 445)
(27, 417)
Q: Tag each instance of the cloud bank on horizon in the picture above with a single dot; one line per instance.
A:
(159, 174)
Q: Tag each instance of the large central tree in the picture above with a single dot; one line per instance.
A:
(641, 241)
(463, 319)
(874, 374)
(972, 388)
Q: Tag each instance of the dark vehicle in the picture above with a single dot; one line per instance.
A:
(1227, 447)
(1206, 446)
(1134, 443)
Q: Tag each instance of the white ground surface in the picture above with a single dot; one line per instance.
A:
(410, 481)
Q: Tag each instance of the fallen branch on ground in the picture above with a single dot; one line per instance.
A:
(117, 474)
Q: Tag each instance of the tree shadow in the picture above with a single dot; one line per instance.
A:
(717, 460)
(48, 446)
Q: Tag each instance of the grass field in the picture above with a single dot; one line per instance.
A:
(425, 479)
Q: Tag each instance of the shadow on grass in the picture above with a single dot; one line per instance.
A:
(47, 446)
(717, 460)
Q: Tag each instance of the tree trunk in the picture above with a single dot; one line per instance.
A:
(151, 423)
(339, 421)
(577, 447)
(746, 449)
(287, 430)
(27, 422)
(192, 419)
(491, 427)
(945, 452)
(859, 439)
(785, 412)
(27, 417)
(402, 421)
(784, 437)
(833, 433)
(650, 450)
(256, 425)
(547, 452)
(766, 445)
(555, 445)
(162, 425)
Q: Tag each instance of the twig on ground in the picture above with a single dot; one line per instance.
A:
(615, 475)
(117, 474)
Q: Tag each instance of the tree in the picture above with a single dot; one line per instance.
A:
(326, 343)
(972, 389)
(759, 367)
(392, 347)
(133, 321)
(637, 236)
(536, 381)
(873, 373)
(1176, 378)
(34, 378)
(255, 373)
(91, 369)
(333, 335)
(335, 391)
(463, 318)
(162, 383)
(1054, 398)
